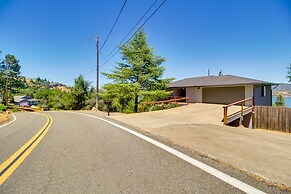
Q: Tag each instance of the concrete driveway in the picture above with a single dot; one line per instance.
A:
(198, 113)
(198, 127)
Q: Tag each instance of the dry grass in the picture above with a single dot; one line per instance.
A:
(4, 117)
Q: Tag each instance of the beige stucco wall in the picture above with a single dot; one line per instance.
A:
(194, 94)
(249, 92)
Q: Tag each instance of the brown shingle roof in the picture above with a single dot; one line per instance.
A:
(224, 80)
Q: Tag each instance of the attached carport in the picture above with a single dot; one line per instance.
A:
(223, 95)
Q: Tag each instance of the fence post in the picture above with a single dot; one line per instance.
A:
(142, 107)
(242, 113)
(225, 115)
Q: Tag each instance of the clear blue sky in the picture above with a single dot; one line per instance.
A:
(52, 39)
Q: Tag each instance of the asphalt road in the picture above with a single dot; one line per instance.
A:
(80, 154)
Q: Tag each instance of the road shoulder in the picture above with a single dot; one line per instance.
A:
(4, 118)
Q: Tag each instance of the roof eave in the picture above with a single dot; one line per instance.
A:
(222, 85)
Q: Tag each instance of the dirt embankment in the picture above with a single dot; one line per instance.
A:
(4, 117)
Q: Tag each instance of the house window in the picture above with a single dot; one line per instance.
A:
(264, 91)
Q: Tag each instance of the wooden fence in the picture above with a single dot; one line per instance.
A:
(272, 118)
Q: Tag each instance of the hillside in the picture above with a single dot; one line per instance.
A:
(284, 89)
(45, 84)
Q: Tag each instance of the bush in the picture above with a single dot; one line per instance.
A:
(2, 108)
(157, 107)
(280, 101)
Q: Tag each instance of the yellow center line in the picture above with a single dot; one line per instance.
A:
(19, 156)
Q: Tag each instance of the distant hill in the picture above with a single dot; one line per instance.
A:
(44, 83)
(283, 89)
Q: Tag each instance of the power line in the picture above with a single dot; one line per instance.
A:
(118, 49)
(91, 69)
(65, 50)
(133, 27)
(133, 34)
(113, 24)
(84, 72)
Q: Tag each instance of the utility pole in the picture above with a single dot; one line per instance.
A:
(97, 67)
(6, 92)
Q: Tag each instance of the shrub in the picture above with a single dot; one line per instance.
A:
(280, 101)
(3, 108)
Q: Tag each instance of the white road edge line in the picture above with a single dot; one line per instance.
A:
(220, 175)
(14, 119)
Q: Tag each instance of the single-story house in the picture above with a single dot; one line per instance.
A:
(25, 101)
(224, 89)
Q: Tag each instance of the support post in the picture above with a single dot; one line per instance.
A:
(225, 115)
(6, 87)
(6, 92)
(242, 113)
(97, 79)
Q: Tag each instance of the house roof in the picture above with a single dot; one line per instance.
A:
(224, 80)
(21, 98)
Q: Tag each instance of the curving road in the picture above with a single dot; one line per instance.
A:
(81, 154)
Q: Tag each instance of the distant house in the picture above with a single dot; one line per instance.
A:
(25, 101)
(224, 89)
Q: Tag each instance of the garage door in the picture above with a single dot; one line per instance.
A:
(223, 95)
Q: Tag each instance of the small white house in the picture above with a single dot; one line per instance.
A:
(25, 101)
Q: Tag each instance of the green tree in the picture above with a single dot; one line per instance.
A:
(280, 100)
(10, 68)
(1, 76)
(91, 99)
(80, 93)
(122, 96)
(289, 73)
(41, 83)
(140, 68)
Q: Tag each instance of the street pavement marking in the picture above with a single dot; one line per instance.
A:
(220, 175)
(8, 167)
(14, 119)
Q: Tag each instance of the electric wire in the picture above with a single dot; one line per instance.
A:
(134, 26)
(85, 72)
(113, 25)
(108, 58)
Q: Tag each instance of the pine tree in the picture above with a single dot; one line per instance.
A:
(141, 69)
(10, 68)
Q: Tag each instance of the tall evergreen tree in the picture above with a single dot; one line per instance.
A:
(79, 93)
(10, 68)
(140, 66)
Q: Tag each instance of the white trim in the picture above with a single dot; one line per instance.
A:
(14, 119)
(220, 175)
